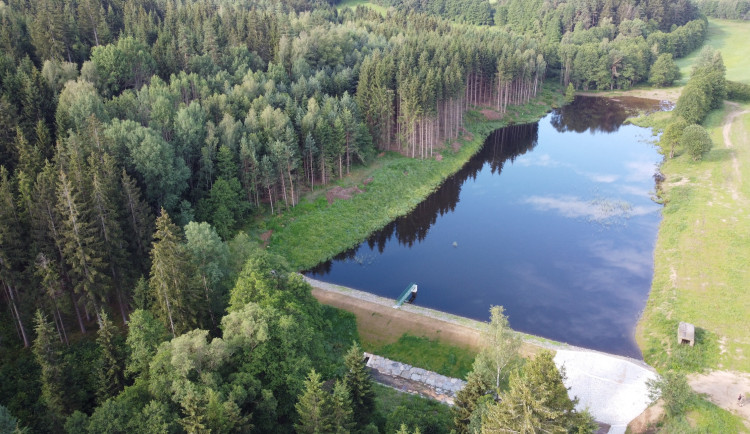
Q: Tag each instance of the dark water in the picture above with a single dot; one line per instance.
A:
(552, 220)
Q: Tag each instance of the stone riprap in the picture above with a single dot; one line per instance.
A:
(415, 380)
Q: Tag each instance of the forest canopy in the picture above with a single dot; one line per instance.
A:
(138, 137)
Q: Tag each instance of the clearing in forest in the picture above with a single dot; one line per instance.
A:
(729, 37)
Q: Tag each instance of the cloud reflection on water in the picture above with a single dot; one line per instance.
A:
(596, 210)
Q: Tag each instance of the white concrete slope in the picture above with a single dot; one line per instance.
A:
(613, 388)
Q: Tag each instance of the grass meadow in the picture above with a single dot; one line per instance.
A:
(732, 38)
(354, 3)
(702, 255)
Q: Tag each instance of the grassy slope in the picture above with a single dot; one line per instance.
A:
(702, 256)
(354, 3)
(703, 250)
(731, 38)
(445, 359)
(315, 231)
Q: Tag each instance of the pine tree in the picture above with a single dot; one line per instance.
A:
(11, 251)
(171, 278)
(466, 401)
(105, 208)
(138, 221)
(81, 247)
(313, 407)
(48, 356)
(111, 370)
(341, 409)
(359, 384)
(537, 401)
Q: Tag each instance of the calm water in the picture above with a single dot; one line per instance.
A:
(552, 220)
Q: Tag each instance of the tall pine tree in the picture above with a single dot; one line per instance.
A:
(111, 369)
(171, 278)
(359, 384)
(313, 407)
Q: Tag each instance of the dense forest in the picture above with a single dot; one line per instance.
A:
(727, 9)
(138, 137)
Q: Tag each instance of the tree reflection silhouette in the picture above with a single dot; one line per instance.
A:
(502, 145)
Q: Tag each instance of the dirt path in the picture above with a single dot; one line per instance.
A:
(722, 388)
(732, 114)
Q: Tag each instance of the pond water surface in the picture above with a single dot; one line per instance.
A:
(554, 221)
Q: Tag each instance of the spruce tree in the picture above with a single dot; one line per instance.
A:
(138, 221)
(359, 384)
(341, 409)
(466, 401)
(171, 278)
(11, 252)
(47, 353)
(82, 249)
(313, 407)
(111, 372)
(537, 401)
(105, 209)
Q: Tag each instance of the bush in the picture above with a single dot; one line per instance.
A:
(696, 141)
(738, 91)
(674, 389)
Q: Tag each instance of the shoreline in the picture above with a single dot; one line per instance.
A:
(612, 387)
(450, 328)
(309, 238)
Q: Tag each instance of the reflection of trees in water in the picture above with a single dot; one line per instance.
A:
(599, 114)
(502, 145)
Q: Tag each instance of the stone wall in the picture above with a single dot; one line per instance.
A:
(414, 380)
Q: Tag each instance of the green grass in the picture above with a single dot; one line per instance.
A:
(731, 38)
(701, 258)
(354, 3)
(703, 417)
(340, 330)
(428, 354)
(392, 408)
(315, 231)
(657, 121)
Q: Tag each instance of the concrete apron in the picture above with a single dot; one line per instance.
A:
(612, 388)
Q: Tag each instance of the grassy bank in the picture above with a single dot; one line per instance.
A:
(702, 255)
(393, 408)
(430, 354)
(315, 231)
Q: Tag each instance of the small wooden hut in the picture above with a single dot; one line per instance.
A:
(686, 334)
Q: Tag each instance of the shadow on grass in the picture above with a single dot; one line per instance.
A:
(718, 155)
(664, 353)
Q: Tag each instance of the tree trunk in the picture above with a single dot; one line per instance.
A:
(208, 300)
(78, 313)
(17, 314)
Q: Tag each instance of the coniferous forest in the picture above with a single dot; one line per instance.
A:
(137, 137)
